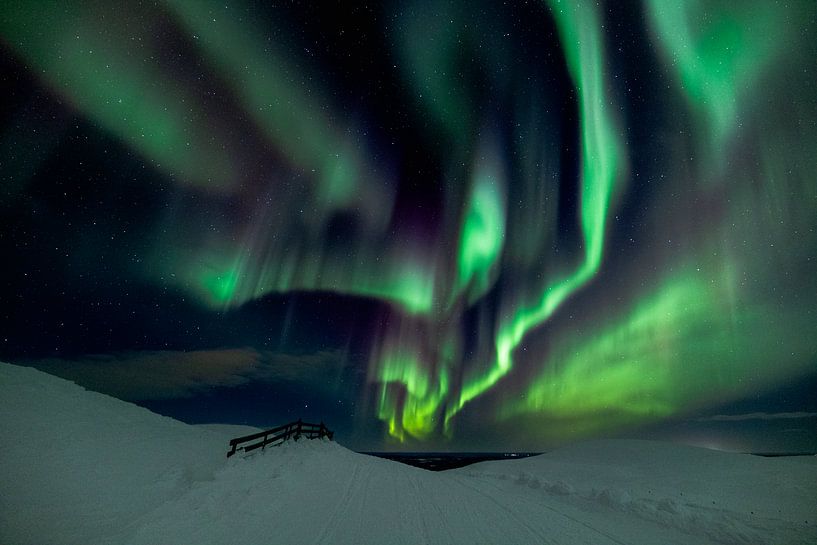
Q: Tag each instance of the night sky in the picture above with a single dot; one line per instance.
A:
(432, 225)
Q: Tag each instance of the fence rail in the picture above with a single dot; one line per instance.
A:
(293, 430)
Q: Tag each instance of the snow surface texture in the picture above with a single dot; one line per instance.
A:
(83, 468)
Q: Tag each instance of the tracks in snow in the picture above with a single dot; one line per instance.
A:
(353, 484)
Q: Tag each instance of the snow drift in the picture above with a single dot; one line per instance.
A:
(84, 468)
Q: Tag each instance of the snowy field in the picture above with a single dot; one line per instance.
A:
(83, 468)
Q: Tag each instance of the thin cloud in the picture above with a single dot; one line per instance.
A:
(281, 367)
(152, 375)
(168, 374)
(755, 416)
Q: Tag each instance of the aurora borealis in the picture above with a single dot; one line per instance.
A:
(441, 224)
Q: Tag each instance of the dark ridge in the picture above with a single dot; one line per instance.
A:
(442, 461)
(782, 454)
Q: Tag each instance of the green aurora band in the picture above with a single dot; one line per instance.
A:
(580, 30)
(700, 337)
(719, 50)
(261, 269)
(290, 113)
(678, 348)
(139, 102)
(709, 319)
(689, 343)
(482, 240)
(483, 229)
(421, 399)
(291, 116)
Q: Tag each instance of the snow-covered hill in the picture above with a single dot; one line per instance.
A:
(80, 467)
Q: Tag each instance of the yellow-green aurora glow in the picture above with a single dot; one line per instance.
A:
(557, 226)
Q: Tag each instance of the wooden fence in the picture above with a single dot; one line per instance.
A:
(293, 430)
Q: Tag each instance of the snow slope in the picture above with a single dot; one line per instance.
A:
(718, 496)
(77, 465)
(80, 467)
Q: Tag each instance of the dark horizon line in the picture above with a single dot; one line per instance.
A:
(536, 453)
(449, 452)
